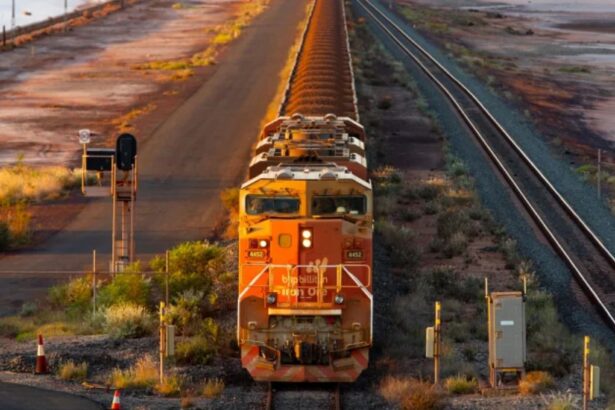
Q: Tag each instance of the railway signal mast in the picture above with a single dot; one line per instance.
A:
(116, 175)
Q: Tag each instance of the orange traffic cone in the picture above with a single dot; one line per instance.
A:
(115, 405)
(41, 361)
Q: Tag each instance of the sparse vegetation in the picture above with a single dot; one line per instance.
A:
(71, 371)
(171, 386)
(461, 385)
(23, 182)
(574, 69)
(125, 122)
(197, 350)
(561, 401)
(535, 382)
(128, 320)
(212, 388)
(144, 374)
(223, 34)
(411, 394)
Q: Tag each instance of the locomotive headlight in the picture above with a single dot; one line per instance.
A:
(262, 243)
(339, 299)
(307, 243)
(272, 298)
(306, 234)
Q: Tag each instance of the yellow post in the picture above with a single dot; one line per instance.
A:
(163, 341)
(586, 373)
(437, 346)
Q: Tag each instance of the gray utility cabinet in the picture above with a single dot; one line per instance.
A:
(507, 349)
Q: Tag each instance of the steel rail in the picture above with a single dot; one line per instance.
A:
(567, 207)
(593, 295)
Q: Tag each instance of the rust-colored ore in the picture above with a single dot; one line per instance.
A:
(322, 82)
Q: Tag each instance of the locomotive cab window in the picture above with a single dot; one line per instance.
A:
(260, 204)
(339, 205)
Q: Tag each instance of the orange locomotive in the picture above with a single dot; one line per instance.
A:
(305, 306)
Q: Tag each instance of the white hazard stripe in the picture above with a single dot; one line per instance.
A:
(40, 351)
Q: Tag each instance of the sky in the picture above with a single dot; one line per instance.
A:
(39, 10)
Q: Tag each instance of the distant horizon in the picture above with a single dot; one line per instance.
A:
(39, 9)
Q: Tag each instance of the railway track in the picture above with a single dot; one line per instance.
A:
(592, 264)
(285, 396)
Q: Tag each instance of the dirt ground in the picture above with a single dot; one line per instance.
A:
(556, 61)
(56, 85)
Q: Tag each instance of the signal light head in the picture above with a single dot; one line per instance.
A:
(307, 243)
(263, 243)
(306, 233)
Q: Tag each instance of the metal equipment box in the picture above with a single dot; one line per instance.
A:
(507, 344)
(99, 159)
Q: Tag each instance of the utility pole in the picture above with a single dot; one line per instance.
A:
(437, 346)
(166, 277)
(13, 15)
(163, 341)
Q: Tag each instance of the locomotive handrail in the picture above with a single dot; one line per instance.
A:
(269, 267)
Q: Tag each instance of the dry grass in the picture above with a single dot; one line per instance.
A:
(142, 375)
(223, 34)
(71, 371)
(410, 393)
(123, 123)
(171, 387)
(22, 182)
(561, 401)
(212, 388)
(535, 382)
(461, 385)
(186, 402)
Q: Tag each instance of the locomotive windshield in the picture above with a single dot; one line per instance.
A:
(261, 204)
(339, 205)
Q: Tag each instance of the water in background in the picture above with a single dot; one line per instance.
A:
(37, 9)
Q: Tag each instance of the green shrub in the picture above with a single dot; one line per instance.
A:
(451, 222)
(192, 265)
(129, 286)
(75, 296)
(185, 312)
(197, 350)
(71, 371)
(128, 320)
(28, 309)
(461, 385)
(400, 242)
(443, 281)
(550, 345)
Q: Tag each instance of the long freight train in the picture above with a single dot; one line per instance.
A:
(305, 306)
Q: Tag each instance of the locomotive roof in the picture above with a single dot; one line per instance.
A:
(312, 172)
